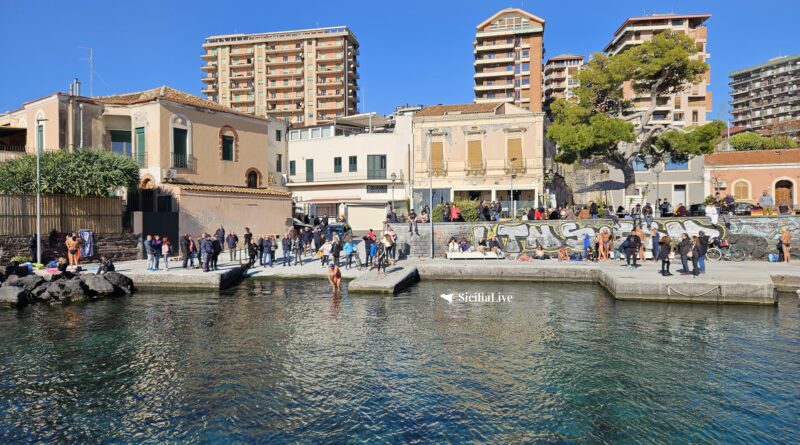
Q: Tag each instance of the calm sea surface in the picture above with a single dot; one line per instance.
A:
(277, 362)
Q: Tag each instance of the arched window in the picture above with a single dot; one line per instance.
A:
(181, 142)
(741, 190)
(253, 178)
(228, 144)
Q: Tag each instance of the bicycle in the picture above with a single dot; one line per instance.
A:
(723, 250)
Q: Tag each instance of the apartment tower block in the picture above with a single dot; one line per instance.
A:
(508, 51)
(305, 77)
(560, 77)
(690, 106)
(766, 97)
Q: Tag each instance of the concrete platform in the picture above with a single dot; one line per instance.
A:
(725, 282)
(396, 278)
(229, 274)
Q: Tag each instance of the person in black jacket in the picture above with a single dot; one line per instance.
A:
(697, 252)
(632, 245)
(248, 236)
(252, 252)
(216, 249)
(684, 247)
(663, 255)
(286, 245)
(446, 213)
(336, 250)
(593, 210)
(297, 246)
(701, 260)
(184, 244)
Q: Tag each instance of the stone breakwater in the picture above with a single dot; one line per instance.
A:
(22, 289)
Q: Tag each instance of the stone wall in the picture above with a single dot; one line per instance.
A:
(756, 235)
(117, 246)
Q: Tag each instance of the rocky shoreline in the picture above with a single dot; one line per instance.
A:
(66, 287)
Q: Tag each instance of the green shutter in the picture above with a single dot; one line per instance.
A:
(337, 165)
(141, 147)
(227, 148)
(309, 170)
(353, 163)
(292, 168)
(179, 143)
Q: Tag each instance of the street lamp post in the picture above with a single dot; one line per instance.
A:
(430, 185)
(39, 146)
(512, 206)
(657, 166)
(393, 178)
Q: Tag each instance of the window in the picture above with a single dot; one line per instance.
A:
(179, 147)
(474, 154)
(141, 148)
(638, 165)
(353, 164)
(227, 148)
(337, 164)
(741, 190)
(695, 118)
(376, 166)
(377, 189)
(121, 142)
(278, 135)
(437, 155)
(292, 168)
(309, 170)
(279, 163)
(677, 165)
(514, 152)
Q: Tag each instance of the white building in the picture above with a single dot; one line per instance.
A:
(361, 161)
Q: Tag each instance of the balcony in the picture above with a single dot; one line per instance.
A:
(517, 166)
(241, 87)
(328, 69)
(500, 46)
(209, 90)
(330, 106)
(284, 99)
(242, 52)
(208, 56)
(439, 167)
(8, 153)
(209, 67)
(183, 161)
(243, 100)
(282, 86)
(375, 176)
(486, 100)
(495, 60)
(475, 167)
(244, 75)
(498, 86)
(285, 49)
(278, 74)
(497, 73)
(209, 79)
(291, 61)
(239, 65)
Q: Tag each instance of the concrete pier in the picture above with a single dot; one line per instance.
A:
(229, 274)
(395, 279)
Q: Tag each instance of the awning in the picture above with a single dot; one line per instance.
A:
(603, 186)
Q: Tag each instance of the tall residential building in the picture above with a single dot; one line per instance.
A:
(690, 106)
(560, 77)
(766, 97)
(508, 59)
(306, 76)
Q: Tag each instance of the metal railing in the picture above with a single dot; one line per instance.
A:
(475, 167)
(383, 175)
(182, 160)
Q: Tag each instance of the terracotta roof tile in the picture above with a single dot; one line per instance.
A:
(232, 189)
(171, 94)
(441, 110)
(753, 157)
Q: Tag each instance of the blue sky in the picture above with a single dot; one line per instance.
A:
(416, 52)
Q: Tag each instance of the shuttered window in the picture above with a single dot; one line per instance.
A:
(514, 150)
(741, 191)
(227, 148)
(474, 155)
(437, 155)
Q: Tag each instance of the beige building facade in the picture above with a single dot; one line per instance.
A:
(483, 152)
(355, 167)
(305, 77)
(184, 145)
(508, 51)
(689, 107)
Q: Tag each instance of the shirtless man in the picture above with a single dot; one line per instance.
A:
(640, 233)
(786, 243)
(334, 276)
(604, 243)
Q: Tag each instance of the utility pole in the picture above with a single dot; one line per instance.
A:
(91, 67)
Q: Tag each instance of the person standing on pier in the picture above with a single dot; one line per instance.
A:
(220, 235)
(232, 241)
(148, 250)
(206, 251)
(286, 245)
(701, 259)
(684, 248)
(786, 244)
(663, 254)
(297, 244)
(697, 252)
(216, 249)
(656, 246)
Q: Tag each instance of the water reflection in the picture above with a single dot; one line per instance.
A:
(275, 362)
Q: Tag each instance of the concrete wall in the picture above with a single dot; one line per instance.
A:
(756, 235)
(205, 211)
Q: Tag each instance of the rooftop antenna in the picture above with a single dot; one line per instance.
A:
(91, 67)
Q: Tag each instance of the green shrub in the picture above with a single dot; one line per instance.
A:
(778, 142)
(82, 173)
(21, 259)
(469, 210)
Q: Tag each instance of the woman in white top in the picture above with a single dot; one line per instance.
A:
(711, 212)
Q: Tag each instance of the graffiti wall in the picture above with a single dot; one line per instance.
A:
(755, 235)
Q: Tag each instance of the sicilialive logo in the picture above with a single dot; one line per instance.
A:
(477, 297)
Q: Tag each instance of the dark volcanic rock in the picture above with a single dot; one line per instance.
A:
(120, 281)
(67, 290)
(30, 282)
(98, 285)
(11, 280)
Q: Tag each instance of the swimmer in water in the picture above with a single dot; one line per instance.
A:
(334, 276)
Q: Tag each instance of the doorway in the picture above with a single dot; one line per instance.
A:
(679, 194)
(784, 192)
